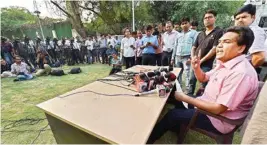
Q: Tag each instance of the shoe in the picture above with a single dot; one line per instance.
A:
(16, 80)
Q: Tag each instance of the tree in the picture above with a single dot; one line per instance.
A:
(13, 18)
(72, 11)
(175, 11)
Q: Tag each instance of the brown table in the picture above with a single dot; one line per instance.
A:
(86, 118)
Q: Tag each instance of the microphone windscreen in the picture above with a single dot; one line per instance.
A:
(157, 72)
(151, 74)
(161, 79)
(171, 77)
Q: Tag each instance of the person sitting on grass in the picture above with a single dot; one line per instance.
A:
(116, 63)
(110, 51)
(43, 64)
(21, 70)
(231, 90)
(5, 69)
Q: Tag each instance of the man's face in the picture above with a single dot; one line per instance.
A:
(176, 27)
(139, 34)
(194, 27)
(148, 32)
(168, 27)
(227, 48)
(209, 20)
(3, 62)
(114, 56)
(185, 25)
(127, 32)
(244, 19)
(17, 60)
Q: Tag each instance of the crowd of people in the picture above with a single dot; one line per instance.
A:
(40, 56)
(239, 51)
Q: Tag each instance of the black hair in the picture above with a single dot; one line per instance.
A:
(194, 23)
(186, 19)
(246, 36)
(251, 9)
(211, 11)
(149, 27)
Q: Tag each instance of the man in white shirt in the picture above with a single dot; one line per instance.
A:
(111, 41)
(168, 43)
(245, 16)
(21, 70)
(127, 48)
(89, 43)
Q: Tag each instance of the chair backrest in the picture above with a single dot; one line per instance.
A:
(244, 126)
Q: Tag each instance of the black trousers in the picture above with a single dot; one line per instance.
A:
(32, 59)
(148, 59)
(166, 58)
(52, 53)
(114, 70)
(158, 59)
(173, 120)
(129, 61)
(138, 60)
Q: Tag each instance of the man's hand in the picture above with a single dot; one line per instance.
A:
(172, 61)
(195, 62)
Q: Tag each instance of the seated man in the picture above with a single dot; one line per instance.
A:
(116, 63)
(5, 69)
(43, 63)
(21, 70)
(231, 90)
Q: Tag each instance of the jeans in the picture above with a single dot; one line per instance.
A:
(25, 77)
(166, 58)
(174, 118)
(193, 80)
(180, 61)
(148, 59)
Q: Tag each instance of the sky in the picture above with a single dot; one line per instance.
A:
(28, 4)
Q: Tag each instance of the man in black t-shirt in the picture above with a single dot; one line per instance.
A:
(205, 47)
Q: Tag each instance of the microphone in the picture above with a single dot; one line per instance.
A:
(146, 93)
(170, 76)
(157, 73)
(143, 77)
(151, 74)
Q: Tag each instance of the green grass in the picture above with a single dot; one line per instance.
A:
(19, 100)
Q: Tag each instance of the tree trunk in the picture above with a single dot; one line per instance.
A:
(76, 18)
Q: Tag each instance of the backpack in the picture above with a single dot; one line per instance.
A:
(75, 70)
(57, 72)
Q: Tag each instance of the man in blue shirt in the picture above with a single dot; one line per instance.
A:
(149, 44)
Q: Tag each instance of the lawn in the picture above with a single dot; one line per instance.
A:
(23, 123)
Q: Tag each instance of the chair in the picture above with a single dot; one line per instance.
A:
(219, 138)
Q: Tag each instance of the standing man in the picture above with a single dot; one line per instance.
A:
(182, 50)
(149, 44)
(111, 41)
(7, 50)
(177, 27)
(138, 50)
(168, 42)
(127, 48)
(205, 47)
(245, 16)
(103, 49)
(194, 25)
